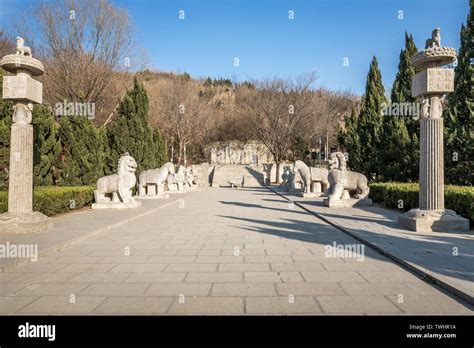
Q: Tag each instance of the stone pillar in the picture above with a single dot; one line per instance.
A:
(20, 186)
(23, 90)
(431, 164)
(429, 85)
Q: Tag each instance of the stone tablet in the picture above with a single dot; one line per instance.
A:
(433, 81)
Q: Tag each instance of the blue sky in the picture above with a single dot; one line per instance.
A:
(268, 43)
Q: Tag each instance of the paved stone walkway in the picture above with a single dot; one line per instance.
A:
(218, 251)
(448, 258)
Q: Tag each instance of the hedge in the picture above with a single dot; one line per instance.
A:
(457, 198)
(54, 200)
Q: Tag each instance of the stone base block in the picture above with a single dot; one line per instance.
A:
(310, 194)
(433, 221)
(119, 205)
(176, 191)
(24, 222)
(159, 196)
(346, 203)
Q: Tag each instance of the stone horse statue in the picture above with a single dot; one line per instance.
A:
(118, 186)
(309, 175)
(177, 180)
(152, 181)
(342, 179)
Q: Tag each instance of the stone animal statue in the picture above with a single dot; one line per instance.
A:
(435, 40)
(287, 177)
(118, 186)
(342, 179)
(154, 179)
(189, 177)
(176, 180)
(311, 174)
(21, 49)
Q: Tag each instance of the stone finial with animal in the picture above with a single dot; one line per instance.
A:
(435, 40)
(21, 49)
(117, 188)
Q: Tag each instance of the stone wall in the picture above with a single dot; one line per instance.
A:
(237, 152)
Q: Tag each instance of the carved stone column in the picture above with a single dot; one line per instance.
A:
(23, 90)
(430, 85)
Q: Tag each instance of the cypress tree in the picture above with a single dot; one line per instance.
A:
(47, 147)
(84, 149)
(370, 123)
(161, 156)
(459, 117)
(401, 131)
(349, 140)
(130, 132)
(6, 112)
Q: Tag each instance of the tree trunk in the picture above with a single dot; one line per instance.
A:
(180, 153)
(277, 172)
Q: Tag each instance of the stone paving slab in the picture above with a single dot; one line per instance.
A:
(75, 226)
(445, 258)
(183, 261)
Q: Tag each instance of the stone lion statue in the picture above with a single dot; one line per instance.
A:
(117, 188)
(21, 49)
(435, 40)
(341, 179)
(151, 182)
(310, 175)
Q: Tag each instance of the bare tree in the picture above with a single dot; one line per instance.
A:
(277, 111)
(184, 116)
(83, 44)
(6, 44)
(331, 107)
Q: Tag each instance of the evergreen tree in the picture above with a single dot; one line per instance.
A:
(130, 132)
(349, 140)
(6, 112)
(47, 147)
(85, 151)
(459, 117)
(161, 156)
(369, 125)
(401, 131)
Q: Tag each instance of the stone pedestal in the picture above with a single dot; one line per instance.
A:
(158, 196)
(117, 205)
(347, 203)
(442, 220)
(153, 194)
(430, 85)
(23, 90)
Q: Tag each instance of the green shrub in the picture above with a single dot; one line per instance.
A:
(457, 198)
(53, 200)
